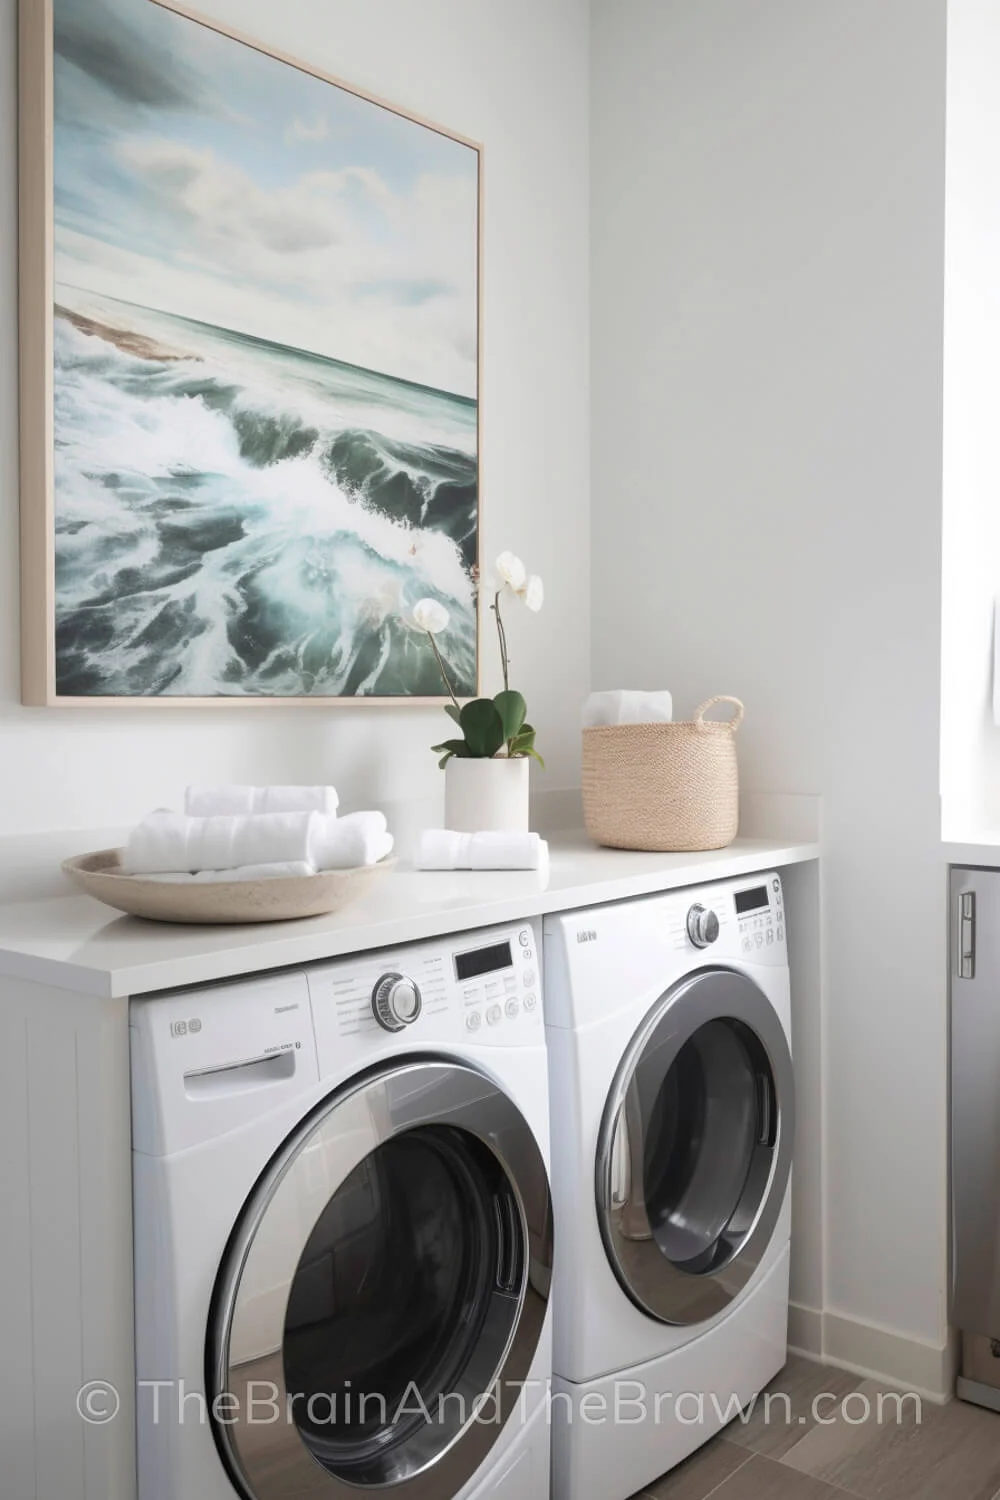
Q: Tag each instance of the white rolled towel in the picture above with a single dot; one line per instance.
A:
(166, 842)
(359, 838)
(440, 849)
(628, 706)
(285, 870)
(237, 801)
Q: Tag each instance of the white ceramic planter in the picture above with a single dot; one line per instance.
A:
(486, 795)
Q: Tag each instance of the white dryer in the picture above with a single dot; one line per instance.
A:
(343, 1230)
(670, 1072)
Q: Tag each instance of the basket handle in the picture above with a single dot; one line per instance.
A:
(702, 709)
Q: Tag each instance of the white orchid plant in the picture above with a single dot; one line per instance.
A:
(491, 727)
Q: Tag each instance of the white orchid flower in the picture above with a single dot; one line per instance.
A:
(533, 593)
(511, 572)
(431, 616)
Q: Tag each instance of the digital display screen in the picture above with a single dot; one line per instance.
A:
(751, 900)
(483, 961)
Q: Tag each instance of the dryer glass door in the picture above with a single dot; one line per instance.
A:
(695, 1147)
(384, 1292)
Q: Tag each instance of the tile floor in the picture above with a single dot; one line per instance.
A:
(953, 1453)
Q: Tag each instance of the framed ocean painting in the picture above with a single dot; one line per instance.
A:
(250, 372)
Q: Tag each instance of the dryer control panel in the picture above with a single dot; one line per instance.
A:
(760, 915)
(736, 919)
(598, 958)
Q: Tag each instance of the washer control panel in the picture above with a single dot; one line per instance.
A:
(760, 915)
(482, 986)
(499, 982)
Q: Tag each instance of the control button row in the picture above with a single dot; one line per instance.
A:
(758, 939)
(495, 1013)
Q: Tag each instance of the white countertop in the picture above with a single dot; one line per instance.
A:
(983, 851)
(78, 944)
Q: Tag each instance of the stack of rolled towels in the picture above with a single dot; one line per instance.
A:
(254, 833)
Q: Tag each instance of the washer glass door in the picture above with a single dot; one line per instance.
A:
(384, 1292)
(695, 1147)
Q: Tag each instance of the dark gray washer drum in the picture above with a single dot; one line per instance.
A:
(695, 1147)
(419, 1278)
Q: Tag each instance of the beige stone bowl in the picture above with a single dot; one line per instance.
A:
(281, 900)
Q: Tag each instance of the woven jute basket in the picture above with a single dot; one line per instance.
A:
(663, 786)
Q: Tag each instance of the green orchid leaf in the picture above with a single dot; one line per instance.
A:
(483, 728)
(444, 760)
(453, 712)
(453, 747)
(512, 710)
(524, 744)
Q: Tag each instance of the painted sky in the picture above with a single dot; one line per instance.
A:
(201, 177)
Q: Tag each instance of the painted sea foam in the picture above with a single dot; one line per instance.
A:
(238, 518)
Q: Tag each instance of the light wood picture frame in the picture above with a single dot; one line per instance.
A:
(250, 333)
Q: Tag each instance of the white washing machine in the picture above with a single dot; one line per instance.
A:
(343, 1229)
(670, 1072)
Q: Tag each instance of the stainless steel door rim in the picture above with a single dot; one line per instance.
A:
(442, 1104)
(687, 1267)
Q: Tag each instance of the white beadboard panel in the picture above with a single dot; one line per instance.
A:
(17, 1368)
(66, 1293)
(106, 1243)
(56, 1290)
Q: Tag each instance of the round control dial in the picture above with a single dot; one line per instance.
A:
(702, 926)
(395, 1002)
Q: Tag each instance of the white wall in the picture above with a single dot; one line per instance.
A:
(970, 741)
(509, 73)
(767, 231)
(767, 248)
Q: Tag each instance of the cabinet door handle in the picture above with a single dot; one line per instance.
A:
(967, 935)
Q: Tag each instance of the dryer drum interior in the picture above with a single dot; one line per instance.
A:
(384, 1291)
(695, 1147)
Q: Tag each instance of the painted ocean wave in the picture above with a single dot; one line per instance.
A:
(237, 518)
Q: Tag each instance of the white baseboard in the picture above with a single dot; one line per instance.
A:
(805, 1331)
(875, 1353)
